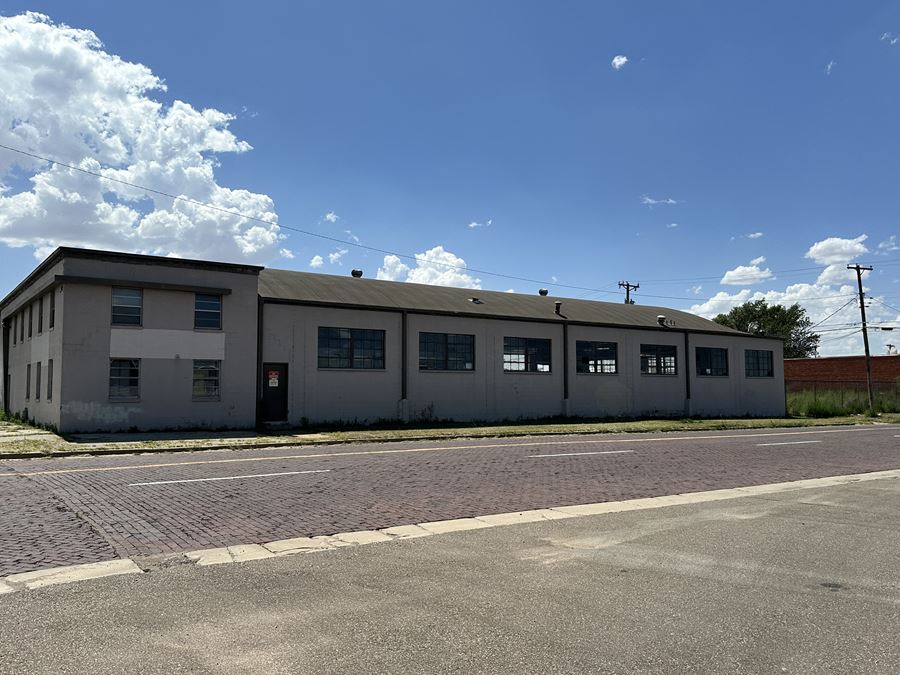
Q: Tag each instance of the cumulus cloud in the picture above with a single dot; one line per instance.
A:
(336, 256)
(888, 245)
(618, 62)
(436, 266)
(316, 262)
(835, 250)
(474, 224)
(747, 275)
(650, 201)
(754, 235)
(331, 217)
(65, 97)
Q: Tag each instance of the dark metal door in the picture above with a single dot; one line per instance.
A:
(275, 392)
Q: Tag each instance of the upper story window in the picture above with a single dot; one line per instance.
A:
(526, 355)
(124, 378)
(40, 315)
(15, 327)
(712, 361)
(22, 326)
(446, 351)
(596, 357)
(758, 363)
(30, 318)
(658, 360)
(127, 304)
(208, 311)
(351, 348)
(52, 321)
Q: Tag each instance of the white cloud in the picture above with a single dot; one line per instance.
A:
(834, 274)
(754, 235)
(831, 64)
(351, 236)
(64, 96)
(554, 279)
(337, 255)
(619, 61)
(758, 261)
(474, 224)
(332, 217)
(745, 275)
(888, 245)
(316, 262)
(286, 253)
(510, 290)
(672, 226)
(889, 38)
(695, 289)
(650, 201)
(436, 266)
(835, 250)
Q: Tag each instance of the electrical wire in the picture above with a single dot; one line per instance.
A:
(832, 314)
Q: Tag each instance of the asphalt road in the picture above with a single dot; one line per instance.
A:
(806, 581)
(73, 510)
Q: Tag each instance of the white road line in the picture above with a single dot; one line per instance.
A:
(577, 454)
(253, 475)
(762, 445)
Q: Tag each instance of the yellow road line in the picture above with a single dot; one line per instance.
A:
(356, 453)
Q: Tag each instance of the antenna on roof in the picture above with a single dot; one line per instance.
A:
(356, 274)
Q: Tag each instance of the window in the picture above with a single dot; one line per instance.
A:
(40, 315)
(526, 355)
(37, 381)
(658, 360)
(445, 351)
(351, 348)
(206, 380)
(596, 357)
(124, 378)
(758, 363)
(22, 326)
(208, 311)
(52, 312)
(126, 306)
(15, 327)
(712, 361)
(27, 381)
(30, 318)
(50, 380)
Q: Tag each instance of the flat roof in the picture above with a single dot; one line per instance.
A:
(330, 290)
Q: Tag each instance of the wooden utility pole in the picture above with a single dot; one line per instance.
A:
(862, 311)
(628, 288)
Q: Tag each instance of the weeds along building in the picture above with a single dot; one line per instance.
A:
(96, 340)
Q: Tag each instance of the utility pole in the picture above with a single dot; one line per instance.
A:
(628, 288)
(862, 311)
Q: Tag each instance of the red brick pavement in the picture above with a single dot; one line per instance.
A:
(379, 490)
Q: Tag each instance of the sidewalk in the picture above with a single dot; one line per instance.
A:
(23, 441)
(794, 581)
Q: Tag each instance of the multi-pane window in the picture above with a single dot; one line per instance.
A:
(30, 318)
(124, 378)
(758, 363)
(52, 312)
(126, 306)
(206, 380)
(27, 381)
(40, 315)
(50, 380)
(351, 348)
(37, 381)
(526, 355)
(658, 360)
(596, 357)
(712, 361)
(208, 311)
(443, 351)
(15, 327)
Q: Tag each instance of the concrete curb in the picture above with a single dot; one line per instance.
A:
(301, 545)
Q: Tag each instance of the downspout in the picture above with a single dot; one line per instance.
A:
(6, 366)
(260, 304)
(687, 374)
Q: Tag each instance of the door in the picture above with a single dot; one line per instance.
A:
(275, 392)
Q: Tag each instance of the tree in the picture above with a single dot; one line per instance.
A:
(790, 323)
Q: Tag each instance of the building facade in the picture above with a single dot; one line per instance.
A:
(97, 341)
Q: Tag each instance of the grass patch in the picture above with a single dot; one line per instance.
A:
(835, 402)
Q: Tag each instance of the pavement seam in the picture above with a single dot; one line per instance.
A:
(299, 545)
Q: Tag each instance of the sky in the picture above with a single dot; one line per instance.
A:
(712, 152)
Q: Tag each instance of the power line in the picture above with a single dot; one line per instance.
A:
(832, 314)
(884, 303)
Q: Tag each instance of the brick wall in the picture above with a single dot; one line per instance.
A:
(885, 369)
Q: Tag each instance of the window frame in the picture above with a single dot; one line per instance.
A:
(37, 381)
(529, 345)
(52, 318)
(49, 379)
(217, 312)
(714, 354)
(354, 339)
(27, 381)
(15, 329)
(137, 395)
(40, 325)
(30, 319)
(22, 326)
(656, 351)
(447, 360)
(594, 347)
(113, 305)
(771, 371)
(218, 380)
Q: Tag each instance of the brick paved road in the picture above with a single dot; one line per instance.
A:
(73, 510)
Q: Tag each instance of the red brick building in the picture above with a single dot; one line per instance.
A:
(885, 369)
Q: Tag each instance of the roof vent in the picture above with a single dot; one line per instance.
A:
(558, 306)
(543, 292)
(664, 322)
(356, 274)
(476, 301)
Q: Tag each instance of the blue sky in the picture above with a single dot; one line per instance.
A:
(411, 120)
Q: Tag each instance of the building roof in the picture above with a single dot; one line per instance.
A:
(329, 290)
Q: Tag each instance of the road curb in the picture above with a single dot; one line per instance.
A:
(301, 545)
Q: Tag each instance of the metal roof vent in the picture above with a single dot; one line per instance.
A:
(664, 322)
(476, 301)
(356, 274)
(543, 292)
(558, 306)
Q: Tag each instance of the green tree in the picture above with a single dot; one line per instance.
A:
(790, 323)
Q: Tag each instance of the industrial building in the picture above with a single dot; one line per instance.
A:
(97, 340)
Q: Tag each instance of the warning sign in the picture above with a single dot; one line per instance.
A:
(273, 378)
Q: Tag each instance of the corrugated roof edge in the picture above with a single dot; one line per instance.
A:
(118, 256)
